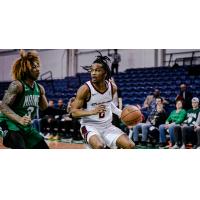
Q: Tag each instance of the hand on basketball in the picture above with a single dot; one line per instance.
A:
(25, 120)
(99, 109)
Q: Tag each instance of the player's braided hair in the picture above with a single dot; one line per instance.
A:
(23, 64)
(100, 59)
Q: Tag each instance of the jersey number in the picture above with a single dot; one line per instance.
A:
(30, 110)
(102, 115)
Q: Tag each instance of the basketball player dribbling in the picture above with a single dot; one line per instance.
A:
(93, 103)
(20, 103)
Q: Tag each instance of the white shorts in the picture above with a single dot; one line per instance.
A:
(109, 134)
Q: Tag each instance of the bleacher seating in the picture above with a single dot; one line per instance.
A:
(135, 84)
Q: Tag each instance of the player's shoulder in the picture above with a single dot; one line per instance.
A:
(16, 82)
(84, 90)
(85, 87)
(42, 90)
(113, 85)
(150, 96)
(16, 86)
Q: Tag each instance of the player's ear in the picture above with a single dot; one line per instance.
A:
(105, 74)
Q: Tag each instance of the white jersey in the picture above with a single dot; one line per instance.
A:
(98, 98)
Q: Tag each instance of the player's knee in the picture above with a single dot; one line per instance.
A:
(130, 145)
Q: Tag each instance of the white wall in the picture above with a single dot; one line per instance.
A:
(130, 58)
(5, 66)
(54, 60)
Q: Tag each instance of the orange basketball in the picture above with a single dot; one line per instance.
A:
(131, 115)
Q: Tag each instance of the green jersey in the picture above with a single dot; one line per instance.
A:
(25, 103)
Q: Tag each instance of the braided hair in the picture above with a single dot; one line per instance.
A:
(103, 60)
(22, 65)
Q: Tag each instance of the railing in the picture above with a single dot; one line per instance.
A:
(48, 76)
(174, 58)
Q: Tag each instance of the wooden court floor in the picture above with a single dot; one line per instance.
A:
(56, 145)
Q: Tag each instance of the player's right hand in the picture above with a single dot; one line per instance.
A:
(196, 127)
(99, 109)
(25, 120)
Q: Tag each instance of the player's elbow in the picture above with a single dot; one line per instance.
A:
(74, 113)
(43, 107)
(2, 106)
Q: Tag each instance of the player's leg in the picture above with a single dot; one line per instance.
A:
(14, 140)
(92, 137)
(96, 142)
(116, 138)
(34, 140)
(124, 142)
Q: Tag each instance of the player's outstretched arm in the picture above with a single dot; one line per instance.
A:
(9, 98)
(116, 110)
(43, 104)
(82, 96)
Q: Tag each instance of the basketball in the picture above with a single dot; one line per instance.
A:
(131, 115)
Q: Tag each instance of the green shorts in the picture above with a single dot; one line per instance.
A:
(31, 135)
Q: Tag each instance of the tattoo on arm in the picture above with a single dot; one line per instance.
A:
(9, 99)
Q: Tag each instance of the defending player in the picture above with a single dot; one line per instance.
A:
(20, 103)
